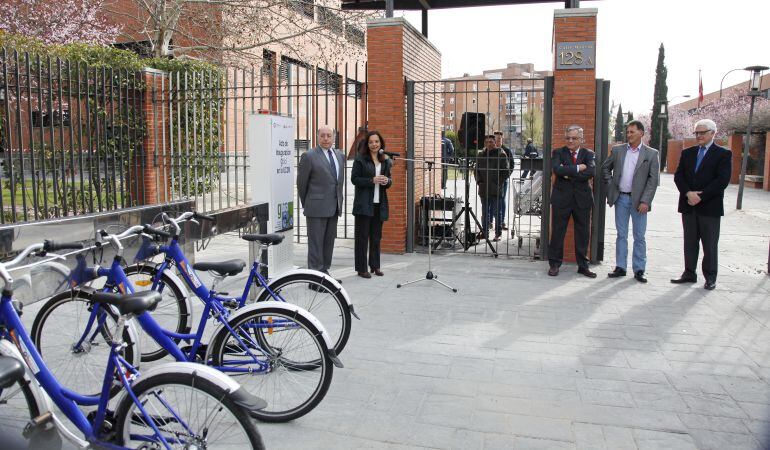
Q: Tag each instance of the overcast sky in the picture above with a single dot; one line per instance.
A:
(710, 35)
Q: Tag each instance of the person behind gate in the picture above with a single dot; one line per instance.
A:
(571, 196)
(371, 177)
(491, 170)
(631, 173)
(320, 177)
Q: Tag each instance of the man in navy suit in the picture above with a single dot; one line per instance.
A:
(702, 176)
(571, 196)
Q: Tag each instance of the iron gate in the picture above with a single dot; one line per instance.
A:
(449, 212)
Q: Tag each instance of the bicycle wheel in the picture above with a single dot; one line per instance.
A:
(189, 411)
(318, 296)
(172, 312)
(281, 373)
(63, 322)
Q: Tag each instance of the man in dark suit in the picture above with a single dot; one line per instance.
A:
(511, 162)
(701, 177)
(571, 196)
(320, 177)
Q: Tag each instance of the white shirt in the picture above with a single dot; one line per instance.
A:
(629, 166)
(377, 167)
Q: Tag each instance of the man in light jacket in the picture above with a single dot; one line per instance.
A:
(631, 174)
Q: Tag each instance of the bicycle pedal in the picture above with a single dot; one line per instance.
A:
(232, 304)
(38, 424)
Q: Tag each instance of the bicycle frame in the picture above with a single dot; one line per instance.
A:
(69, 401)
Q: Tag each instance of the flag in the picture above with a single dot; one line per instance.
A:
(700, 89)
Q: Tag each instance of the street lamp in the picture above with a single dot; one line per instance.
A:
(754, 85)
(723, 80)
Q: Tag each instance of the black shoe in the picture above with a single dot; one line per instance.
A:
(553, 271)
(685, 279)
(505, 227)
(639, 276)
(587, 272)
(618, 272)
(710, 285)
(364, 274)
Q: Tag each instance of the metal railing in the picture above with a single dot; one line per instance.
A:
(70, 138)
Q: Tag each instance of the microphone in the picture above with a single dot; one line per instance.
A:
(391, 154)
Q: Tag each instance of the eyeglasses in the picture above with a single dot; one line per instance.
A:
(702, 133)
(568, 138)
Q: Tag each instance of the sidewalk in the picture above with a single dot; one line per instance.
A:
(517, 359)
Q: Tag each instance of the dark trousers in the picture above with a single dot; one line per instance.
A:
(321, 232)
(699, 230)
(560, 220)
(490, 210)
(444, 176)
(368, 234)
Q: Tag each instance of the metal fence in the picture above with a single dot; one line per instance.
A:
(70, 138)
(450, 211)
(199, 143)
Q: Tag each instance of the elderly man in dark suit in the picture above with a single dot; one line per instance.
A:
(631, 173)
(320, 178)
(701, 177)
(571, 196)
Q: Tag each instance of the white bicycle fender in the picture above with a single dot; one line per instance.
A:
(44, 402)
(208, 373)
(288, 307)
(316, 273)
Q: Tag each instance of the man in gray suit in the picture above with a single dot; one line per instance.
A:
(320, 178)
(631, 174)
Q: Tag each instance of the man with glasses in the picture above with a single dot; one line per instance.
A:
(701, 177)
(571, 196)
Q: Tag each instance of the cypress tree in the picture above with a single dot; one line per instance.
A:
(619, 125)
(659, 98)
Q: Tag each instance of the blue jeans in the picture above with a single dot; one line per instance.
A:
(501, 206)
(623, 211)
(490, 211)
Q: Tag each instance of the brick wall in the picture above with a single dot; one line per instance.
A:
(574, 93)
(397, 51)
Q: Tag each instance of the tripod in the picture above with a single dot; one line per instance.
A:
(428, 166)
(467, 211)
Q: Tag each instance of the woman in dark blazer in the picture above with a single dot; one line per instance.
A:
(371, 177)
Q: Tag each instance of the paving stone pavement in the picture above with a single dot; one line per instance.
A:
(520, 360)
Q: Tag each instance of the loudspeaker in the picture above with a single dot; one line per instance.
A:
(472, 130)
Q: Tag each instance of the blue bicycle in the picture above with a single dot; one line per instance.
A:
(314, 291)
(277, 351)
(176, 405)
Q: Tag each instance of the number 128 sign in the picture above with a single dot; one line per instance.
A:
(575, 55)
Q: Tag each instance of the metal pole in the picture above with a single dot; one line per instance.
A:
(745, 161)
(388, 8)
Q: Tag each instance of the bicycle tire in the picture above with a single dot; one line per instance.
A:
(157, 392)
(51, 331)
(175, 304)
(282, 405)
(332, 309)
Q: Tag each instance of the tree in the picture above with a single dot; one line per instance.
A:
(238, 30)
(58, 21)
(533, 121)
(659, 98)
(619, 125)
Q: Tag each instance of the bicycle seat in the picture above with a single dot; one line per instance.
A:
(135, 303)
(267, 239)
(11, 371)
(223, 268)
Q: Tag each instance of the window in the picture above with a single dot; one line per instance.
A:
(451, 115)
(452, 101)
(54, 119)
(141, 48)
(474, 87)
(473, 100)
(451, 87)
(355, 35)
(330, 20)
(304, 7)
(327, 81)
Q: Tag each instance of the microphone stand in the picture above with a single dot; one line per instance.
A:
(428, 165)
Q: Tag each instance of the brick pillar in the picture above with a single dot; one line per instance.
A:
(766, 179)
(675, 147)
(736, 146)
(155, 160)
(397, 51)
(574, 93)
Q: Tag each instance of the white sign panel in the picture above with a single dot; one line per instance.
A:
(282, 152)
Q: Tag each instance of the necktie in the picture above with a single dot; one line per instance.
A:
(701, 154)
(574, 158)
(332, 166)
